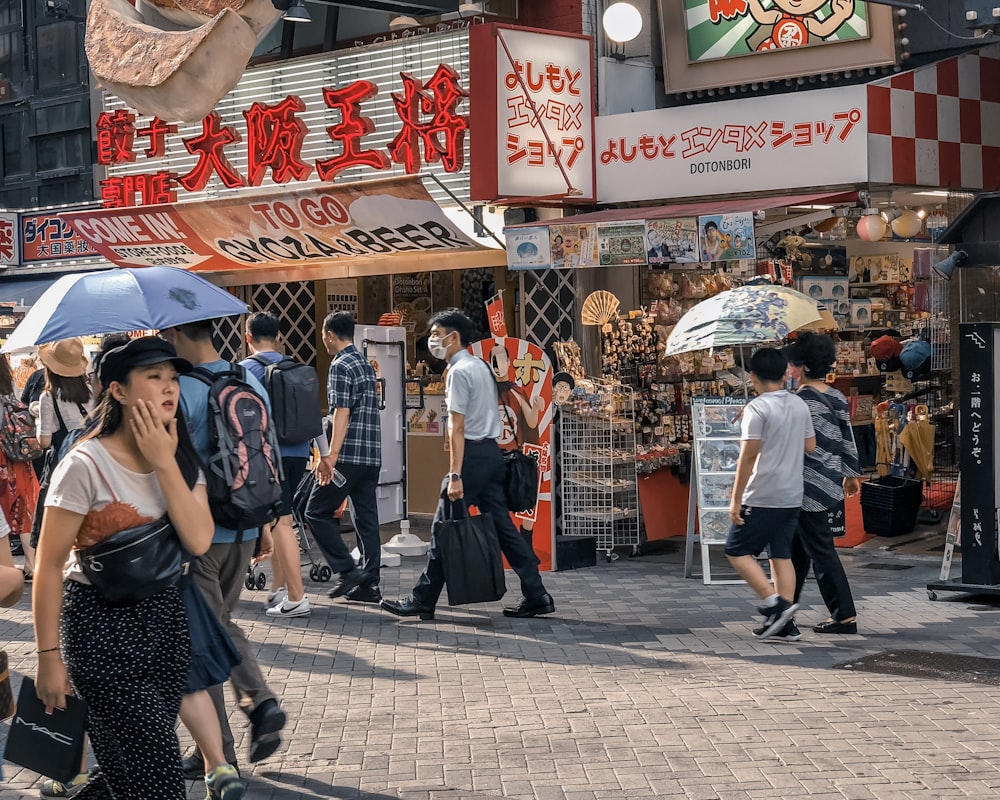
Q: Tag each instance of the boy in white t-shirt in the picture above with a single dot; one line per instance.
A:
(776, 432)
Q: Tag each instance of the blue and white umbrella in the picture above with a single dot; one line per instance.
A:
(110, 301)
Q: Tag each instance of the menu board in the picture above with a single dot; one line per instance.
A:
(716, 426)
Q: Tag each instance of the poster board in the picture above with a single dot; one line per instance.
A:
(715, 424)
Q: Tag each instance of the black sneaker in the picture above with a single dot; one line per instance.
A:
(266, 722)
(775, 618)
(347, 581)
(790, 633)
(364, 594)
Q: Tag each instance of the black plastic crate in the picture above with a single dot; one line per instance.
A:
(889, 505)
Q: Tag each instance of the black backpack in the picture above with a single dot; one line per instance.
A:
(295, 399)
(244, 466)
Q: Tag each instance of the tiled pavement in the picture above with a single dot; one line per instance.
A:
(642, 685)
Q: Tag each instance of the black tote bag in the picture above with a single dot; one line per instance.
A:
(49, 744)
(470, 554)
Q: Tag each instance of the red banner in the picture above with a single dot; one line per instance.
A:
(494, 312)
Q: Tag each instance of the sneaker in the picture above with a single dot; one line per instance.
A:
(287, 608)
(54, 788)
(266, 722)
(193, 766)
(223, 783)
(790, 633)
(776, 617)
(275, 597)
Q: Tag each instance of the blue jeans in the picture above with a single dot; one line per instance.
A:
(482, 480)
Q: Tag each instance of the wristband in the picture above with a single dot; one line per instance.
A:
(454, 476)
(48, 650)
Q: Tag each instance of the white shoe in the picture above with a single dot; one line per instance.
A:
(279, 594)
(288, 609)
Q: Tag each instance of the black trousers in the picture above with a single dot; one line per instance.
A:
(361, 485)
(813, 544)
(482, 479)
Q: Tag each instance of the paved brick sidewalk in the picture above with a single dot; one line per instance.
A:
(642, 685)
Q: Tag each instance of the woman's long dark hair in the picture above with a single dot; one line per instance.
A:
(6, 377)
(69, 390)
(108, 417)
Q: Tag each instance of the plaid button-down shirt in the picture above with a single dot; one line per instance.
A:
(351, 385)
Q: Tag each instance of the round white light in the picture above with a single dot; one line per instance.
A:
(908, 224)
(622, 22)
(871, 228)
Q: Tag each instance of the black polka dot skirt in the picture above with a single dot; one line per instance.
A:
(130, 664)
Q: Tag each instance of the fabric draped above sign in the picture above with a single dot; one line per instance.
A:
(338, 231)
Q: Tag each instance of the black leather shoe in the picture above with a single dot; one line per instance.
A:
(407, 607)
(533, 607)
(266, 722)
(193, 767)
(347, 581)
(364, 594)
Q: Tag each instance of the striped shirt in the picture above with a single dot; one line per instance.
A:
(835, 456)
(351, 385)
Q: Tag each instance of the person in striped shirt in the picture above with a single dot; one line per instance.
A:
(831, 472)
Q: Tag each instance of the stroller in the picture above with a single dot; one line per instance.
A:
(318, 572)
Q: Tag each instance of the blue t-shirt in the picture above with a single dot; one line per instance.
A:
(299, 449)
(194, 402)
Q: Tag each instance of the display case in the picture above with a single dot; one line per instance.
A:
(598, 466)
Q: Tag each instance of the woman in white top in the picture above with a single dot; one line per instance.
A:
(66, 397)
(130, 663)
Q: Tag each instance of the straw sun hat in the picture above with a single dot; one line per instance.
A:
(64, 358)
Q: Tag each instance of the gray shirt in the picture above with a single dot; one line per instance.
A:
(782, 423)
(470, 389)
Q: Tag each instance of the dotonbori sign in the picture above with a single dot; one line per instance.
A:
(431, 131)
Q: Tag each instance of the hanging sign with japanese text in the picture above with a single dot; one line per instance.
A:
(346, 223)
(9, 249)
(978, 350)
(726, 237)
(528, 248)
(799, 140)
(532, 128)
(50, 237)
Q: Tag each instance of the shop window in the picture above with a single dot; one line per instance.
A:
(11, 66)
(58, 55)
(12, 131)
(60, 152)
(20, 197)
(73, 190)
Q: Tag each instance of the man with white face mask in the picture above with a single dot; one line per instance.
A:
(476, 471)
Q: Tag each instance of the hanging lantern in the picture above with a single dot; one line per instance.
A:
(908, 224)
(871, 227)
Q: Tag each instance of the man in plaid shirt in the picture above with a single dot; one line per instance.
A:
(351, 467)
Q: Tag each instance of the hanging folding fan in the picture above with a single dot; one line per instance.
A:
(599, 308)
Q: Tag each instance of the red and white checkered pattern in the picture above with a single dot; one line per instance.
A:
(938, 125)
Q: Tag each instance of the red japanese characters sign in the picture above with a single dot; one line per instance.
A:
(430, 130)
(805, 139)
(348, 223)
(533, 116)
(8, 240)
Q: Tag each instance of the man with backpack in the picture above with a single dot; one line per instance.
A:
(293, 389)
(228, 416)
(352, 467)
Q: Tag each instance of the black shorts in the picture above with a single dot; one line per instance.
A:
(294, 468)
(768, 529)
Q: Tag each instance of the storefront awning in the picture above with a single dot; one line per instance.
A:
(333, 231)
(24, 291)
(703, 208)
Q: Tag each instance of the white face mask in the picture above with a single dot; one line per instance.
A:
(437, 349)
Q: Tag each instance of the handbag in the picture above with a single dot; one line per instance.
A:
(470, 556)
(520, 480)
(136, 563)
(49, 744)
(7, 705)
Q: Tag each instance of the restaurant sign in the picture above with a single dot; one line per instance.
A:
(345, 223)
(271, 137)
